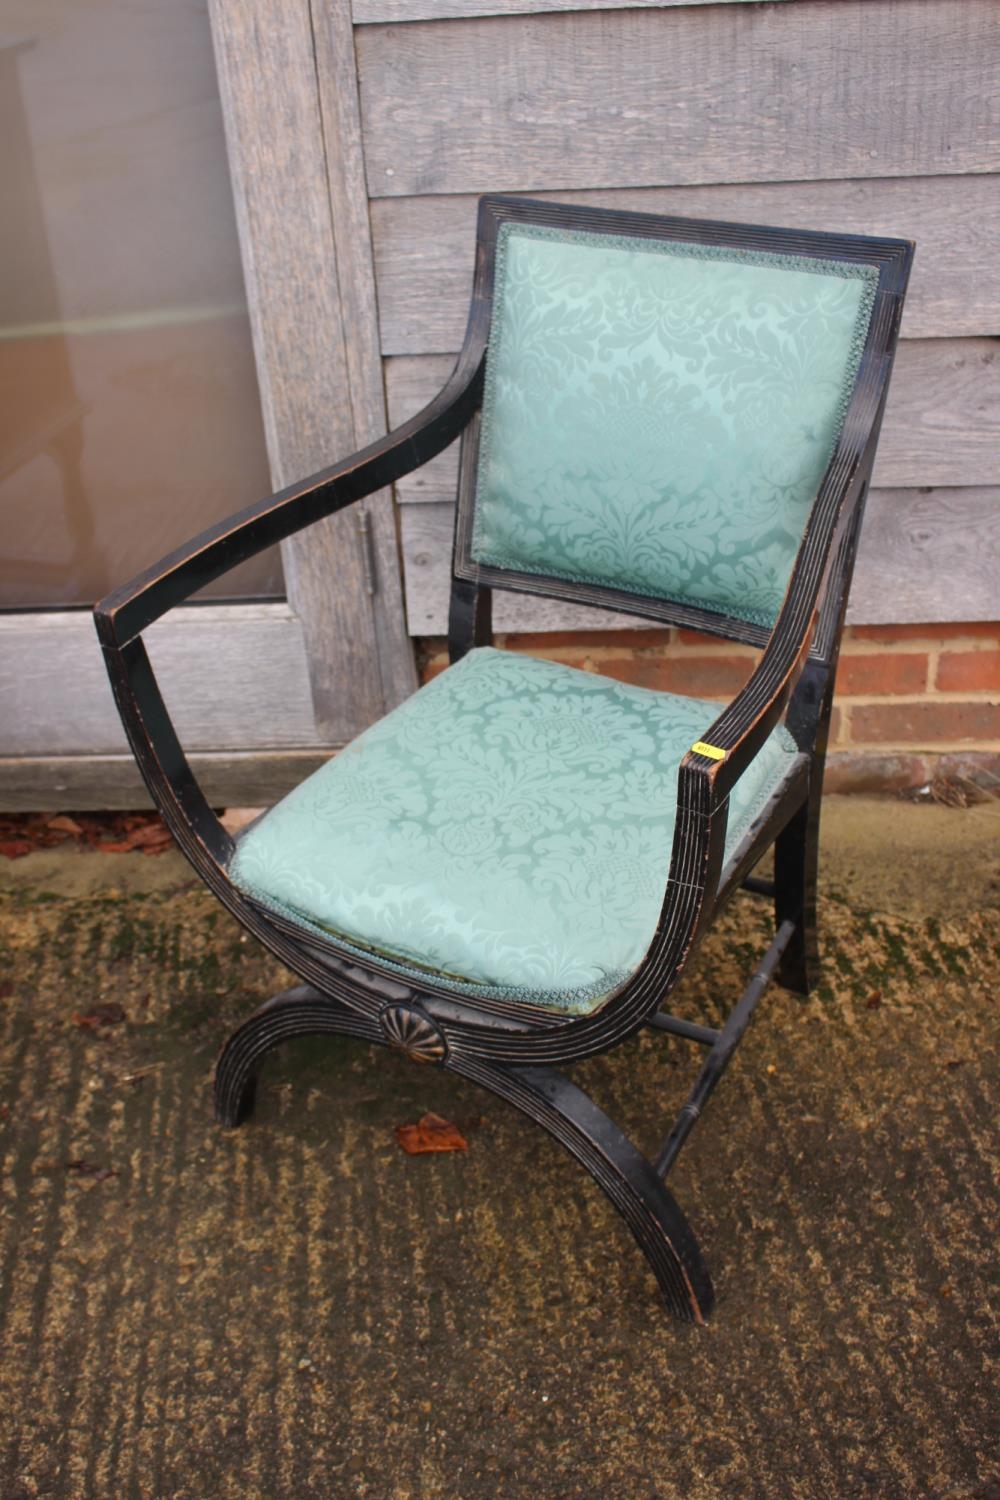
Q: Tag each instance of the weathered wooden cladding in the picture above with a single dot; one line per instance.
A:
(942, 422)
(423, 246)
(833, 114)
(251, 778)
(925, 555)
(371, 12)
(928, 555)
(304, 260)
(223, 669)
(338, 94)
(942, 425)
(699, 94)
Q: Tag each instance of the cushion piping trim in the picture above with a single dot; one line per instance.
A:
(582, 1000)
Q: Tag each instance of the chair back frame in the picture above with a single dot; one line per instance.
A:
(891, 257)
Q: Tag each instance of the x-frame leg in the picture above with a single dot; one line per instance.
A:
(543, 1094)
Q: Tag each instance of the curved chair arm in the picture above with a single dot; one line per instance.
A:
(744, 724)
(736, 736)
(126, 612)
(122, 616)
(704, 782)
(738, 733)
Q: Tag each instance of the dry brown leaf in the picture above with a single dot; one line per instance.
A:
(109, 1013)
(150, 838)
(153, 833)
(15, 848)
(107, 832)
(91, 1169)
(63, 824)
(431, 1133)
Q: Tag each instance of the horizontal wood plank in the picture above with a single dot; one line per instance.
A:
(690, 94)
(233, 677)
(942, 420)
(926, 555)
(371, 12)
(78, 783)
(424, 247)
(942, 424)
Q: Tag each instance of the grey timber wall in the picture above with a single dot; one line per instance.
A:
(875, 116)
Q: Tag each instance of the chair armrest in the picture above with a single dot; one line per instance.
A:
(741, 728)
(744, 724)
(126, 612)
(705, 781)
(123, 616)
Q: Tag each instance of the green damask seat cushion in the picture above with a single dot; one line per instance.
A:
(507, 829)
(658, 416)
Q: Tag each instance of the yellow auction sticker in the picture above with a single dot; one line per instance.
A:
(712, 751)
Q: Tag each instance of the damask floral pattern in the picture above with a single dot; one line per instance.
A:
(508, 828)
(658, 416)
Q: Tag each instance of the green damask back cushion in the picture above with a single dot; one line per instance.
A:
(658, 415)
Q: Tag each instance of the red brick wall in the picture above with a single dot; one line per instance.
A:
(914, 702)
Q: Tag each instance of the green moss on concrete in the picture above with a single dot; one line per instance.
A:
(297, 1308)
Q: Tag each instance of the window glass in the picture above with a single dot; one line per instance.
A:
(129, 413)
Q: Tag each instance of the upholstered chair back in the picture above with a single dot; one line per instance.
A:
(658, 415)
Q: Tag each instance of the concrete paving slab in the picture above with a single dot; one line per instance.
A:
(299, 1309)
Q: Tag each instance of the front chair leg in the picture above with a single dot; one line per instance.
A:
(302, 1011)
(543, 1094)
(628, 1179)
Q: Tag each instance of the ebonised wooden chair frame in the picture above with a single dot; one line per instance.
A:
(513, 1049)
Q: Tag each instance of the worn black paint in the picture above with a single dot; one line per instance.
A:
(514, 1049)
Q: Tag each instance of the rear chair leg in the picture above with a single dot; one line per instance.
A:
(796, 862)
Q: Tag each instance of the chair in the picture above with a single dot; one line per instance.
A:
(665, 417)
